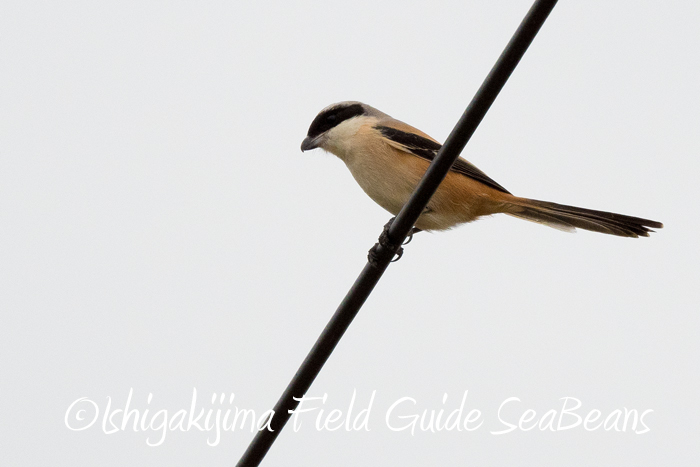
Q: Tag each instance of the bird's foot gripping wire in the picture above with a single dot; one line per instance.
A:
(414, 230)
(395, 249)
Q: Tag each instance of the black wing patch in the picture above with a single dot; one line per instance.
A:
(428, 149)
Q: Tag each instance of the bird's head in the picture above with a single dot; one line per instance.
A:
(336, 124)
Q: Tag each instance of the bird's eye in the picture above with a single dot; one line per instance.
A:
(331, 118)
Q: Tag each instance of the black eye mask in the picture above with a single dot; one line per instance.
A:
(333, 117)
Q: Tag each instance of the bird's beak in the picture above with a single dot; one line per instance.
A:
(309, 144)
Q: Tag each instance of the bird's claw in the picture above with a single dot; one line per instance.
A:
(414, 230)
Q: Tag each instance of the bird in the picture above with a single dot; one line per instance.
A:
(388, 158)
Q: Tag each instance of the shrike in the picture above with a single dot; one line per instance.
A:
(388, 158)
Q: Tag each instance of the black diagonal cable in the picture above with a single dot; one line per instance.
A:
(399, 229)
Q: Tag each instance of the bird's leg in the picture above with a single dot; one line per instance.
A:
(373, 255)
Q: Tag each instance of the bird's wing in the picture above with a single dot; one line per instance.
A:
(427, 148)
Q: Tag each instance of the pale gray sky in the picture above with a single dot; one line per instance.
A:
(161, 231)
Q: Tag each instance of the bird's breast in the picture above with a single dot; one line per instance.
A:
(387, 176)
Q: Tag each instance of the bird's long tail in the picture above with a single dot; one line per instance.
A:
(569, 218)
